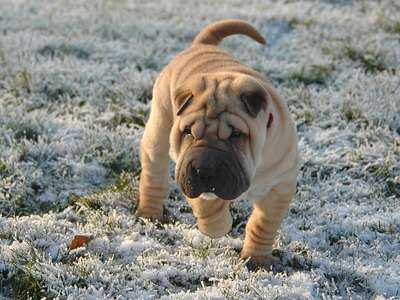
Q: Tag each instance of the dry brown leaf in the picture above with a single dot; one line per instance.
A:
(79, 240)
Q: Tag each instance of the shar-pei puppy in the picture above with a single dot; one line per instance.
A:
(230, 134)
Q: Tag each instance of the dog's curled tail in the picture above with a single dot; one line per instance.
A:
(214, 33)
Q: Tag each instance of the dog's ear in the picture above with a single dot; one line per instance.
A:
(254, 100)
(183, 98)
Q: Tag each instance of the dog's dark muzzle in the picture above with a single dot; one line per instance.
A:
(211, 170)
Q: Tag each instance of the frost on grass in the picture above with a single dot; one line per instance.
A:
(75, 84)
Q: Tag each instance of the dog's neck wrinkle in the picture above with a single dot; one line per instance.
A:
(206, 59)
(201, 59)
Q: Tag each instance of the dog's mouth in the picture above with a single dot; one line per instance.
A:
(208, 196)
(211, 171)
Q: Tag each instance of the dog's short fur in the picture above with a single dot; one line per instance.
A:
(229, 133)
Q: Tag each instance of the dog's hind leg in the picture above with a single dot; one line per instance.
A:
(264, 223)
(213, 216)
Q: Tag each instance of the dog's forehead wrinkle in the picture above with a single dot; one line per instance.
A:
(219, 101)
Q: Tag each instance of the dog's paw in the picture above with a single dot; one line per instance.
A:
(257, 262)
(150, 215)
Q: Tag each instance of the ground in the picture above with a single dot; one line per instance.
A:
(75, 89)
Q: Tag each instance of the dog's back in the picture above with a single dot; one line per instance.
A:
(206, 57)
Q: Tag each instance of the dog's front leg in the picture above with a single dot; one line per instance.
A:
(213, 216)
(154, 158)
(264, 223)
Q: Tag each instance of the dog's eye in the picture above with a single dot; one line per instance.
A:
(187, 131)
(235, 134)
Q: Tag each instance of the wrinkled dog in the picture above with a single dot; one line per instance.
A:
(229, 133)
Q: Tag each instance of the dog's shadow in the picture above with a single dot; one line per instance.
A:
(289, 262)
(177, 210)
(283, 262)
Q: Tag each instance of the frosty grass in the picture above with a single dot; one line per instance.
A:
(75, 86)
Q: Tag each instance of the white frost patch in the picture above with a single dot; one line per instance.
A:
(129, 247)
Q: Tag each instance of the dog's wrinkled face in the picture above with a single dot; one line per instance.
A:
(218, 133)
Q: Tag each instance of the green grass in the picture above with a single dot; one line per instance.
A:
(309, 116)
(19, 81)
(26, 132)
(23, 81)
(95, 201)
(369, 60)
(305, 115)
(202, 252)
(81, 268)
(388, 25)
(383, 228)
(3, 168)
(381, 170)
(295, 22)
(350, 111)
(120, 163)
(123, 184)
(64, 49)
(316, 74)
(90, 202)
(135, 116)
(26, 285)
(393, 187)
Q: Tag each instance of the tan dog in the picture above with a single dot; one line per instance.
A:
(229, 133)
